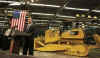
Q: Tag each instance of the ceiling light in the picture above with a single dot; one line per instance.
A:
(83, 15)
(66, 16)
(96, 10)
(77, 15)
(42, 13)
(35, 4)
(32, 1)
(95, 17)
(76, 9)
(6, 1)
(10, 11)
(89, 16)
(15, 3)
(41, 20)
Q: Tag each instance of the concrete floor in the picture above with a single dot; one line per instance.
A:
(53, 55)
(38, 54)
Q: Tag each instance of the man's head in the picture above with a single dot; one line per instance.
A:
(29, 20)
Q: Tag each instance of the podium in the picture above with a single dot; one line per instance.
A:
(15, 34)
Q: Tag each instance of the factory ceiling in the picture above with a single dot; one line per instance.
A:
(73, 3)
(64, 8)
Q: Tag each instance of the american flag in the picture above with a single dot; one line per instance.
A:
(18, 20)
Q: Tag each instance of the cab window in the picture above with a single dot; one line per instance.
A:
(74, 32)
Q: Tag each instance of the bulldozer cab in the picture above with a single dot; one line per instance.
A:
(73, 34)
(52, 35)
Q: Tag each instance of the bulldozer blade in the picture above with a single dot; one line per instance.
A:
(53, 47)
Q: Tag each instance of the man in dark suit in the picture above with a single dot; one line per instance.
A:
(29, 40)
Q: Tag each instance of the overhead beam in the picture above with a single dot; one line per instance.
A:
(14, 3)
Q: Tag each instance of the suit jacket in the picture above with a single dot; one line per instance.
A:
(31, 30)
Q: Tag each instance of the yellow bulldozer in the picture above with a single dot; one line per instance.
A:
(71, 42)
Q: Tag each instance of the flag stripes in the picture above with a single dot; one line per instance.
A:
(14, 22)
(19, 22)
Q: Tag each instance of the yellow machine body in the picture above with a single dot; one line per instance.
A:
(71, 42)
